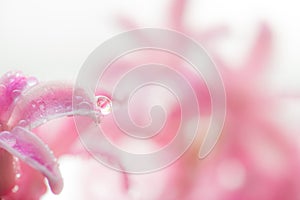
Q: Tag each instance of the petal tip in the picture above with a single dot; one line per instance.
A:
(56, 186)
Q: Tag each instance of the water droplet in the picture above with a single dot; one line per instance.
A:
(2, 88)
(104, 104)
(41, 104)
(58, 108)
(18, 175)
(22, 123)
(78, 99)
(15, 189)
(43, 120)
(16, 93)
(84, 106)
(11, 142)
(68, 105)
(18, 74)
(33, 105)
(31, 81)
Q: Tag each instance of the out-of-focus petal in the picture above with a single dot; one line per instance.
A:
(45, 102)
(260, 53)
(62, 128)
(29, 148)
(177, 14)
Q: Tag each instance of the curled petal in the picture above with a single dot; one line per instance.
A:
(12, 84)
(29, 148)
(48, 101)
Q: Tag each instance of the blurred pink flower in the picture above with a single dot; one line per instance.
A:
(254, 158)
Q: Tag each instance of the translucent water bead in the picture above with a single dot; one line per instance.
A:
(104, 104)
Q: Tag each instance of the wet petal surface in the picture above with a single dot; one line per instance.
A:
(29, 148)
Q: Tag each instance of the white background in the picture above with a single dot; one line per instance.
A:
(51, 39)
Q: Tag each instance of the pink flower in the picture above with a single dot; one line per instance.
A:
(24, 105)
(254, 158)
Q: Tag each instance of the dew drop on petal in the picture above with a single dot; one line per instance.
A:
(2, 88)
(41, 104)
(84, 106)
(15, 189)
(11, 141)
(17, 167)
(22, 123)
(31, 81)
(18, 175)
(33, 105)
(78, 99)
(16, 93)
(104, 104)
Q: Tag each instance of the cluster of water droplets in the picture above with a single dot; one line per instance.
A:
(17, 169)
(45, 108)
(37, 111)
(16, 82)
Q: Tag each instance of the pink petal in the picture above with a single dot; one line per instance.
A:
(29, 186)
(7, 172)
(29, 148)
(48, 101)
(260, 52)
(211, 34)
(12, 84)
(177, 14)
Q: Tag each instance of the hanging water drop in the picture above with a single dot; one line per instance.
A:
(31, 81)
(23, 123)
(104, 104)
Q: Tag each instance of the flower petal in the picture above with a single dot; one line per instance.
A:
(177, 14)
(7, 172)
(30, 185)
(48, 101)
(12, 84)
(29, 148)
(260, 53)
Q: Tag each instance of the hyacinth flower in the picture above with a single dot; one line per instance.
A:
(252, 160)
(25, 159)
